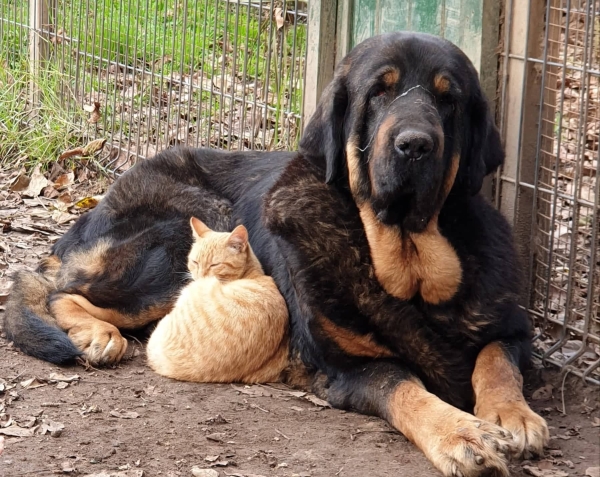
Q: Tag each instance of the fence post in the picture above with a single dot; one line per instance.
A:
(488, 66)
(39, 21)
(343, 40)
(521, 124)
(320, 55)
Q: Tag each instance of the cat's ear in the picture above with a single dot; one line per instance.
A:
(238, 239)
(198, 227)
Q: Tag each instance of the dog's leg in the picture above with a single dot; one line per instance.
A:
(498, 384)
(100, 341)
(457, 443)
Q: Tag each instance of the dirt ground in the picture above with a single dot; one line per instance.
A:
(129, 422)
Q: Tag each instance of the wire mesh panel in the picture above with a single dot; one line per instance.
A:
(561, 81)
(146, 75)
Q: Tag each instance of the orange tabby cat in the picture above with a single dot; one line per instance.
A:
(228, 325)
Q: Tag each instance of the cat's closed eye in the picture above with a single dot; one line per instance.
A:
(214, 264)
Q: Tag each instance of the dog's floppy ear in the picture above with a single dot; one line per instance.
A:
(323, 136)
(483, 153)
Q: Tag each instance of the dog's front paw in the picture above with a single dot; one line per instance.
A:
(529, 430)
(473, 448)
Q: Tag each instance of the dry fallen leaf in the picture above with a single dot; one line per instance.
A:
(592, 472)
(27, 422)
(20, 183)
(216, 436)
(94, 110)
(89, 149)
(316, 401)
(33, 383)
(50, 192)
(93, 147)
(64, 180)
(67, 467)
(596, 422)
(197, 472)
(127, 473)
(253, 390)
(61, 217)
(37, 182)
(1, 445)
(53, 427)
(278, 14)
(88, 202)
(15, 431)
(57, 377)
(121, 414)
(543, 393)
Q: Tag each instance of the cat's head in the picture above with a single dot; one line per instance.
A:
(223, 255)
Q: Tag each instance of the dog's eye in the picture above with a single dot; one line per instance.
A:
(378, 91)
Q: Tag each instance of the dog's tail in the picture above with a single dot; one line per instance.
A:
(28, 322)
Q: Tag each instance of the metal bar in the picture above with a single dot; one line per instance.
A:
(534, 203)
(210, 100)
(591, 71)
(233, 75)
(562, 195)
(555, 191)
(573, 249)
(245, 76)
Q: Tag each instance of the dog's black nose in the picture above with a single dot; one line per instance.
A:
(413, 145)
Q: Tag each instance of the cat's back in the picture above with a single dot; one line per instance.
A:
(259, 291)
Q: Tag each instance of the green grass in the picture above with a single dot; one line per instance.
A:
(163, 37)
(28, 135)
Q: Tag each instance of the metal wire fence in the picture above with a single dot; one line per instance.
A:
(552, 172)
(147, 75)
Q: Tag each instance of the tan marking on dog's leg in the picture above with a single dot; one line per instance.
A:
(100, 341)
(352, 343)
(499, 399)
(120, 320)
(49, 266)
(457, 443)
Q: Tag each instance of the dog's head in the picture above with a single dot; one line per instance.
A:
(403, 122)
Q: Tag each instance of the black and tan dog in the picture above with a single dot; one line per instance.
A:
(401, 281)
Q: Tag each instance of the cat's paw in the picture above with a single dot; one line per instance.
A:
(100, 342)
